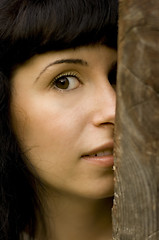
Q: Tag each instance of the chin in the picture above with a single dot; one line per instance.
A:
(103, 195)
(100, 193)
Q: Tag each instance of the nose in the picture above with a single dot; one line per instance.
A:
(104, 105)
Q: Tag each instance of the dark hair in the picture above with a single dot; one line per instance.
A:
(29, 27)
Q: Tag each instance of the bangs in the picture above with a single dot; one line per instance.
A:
(36, 26)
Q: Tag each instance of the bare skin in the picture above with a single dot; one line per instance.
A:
(69, 217)
(63, 113)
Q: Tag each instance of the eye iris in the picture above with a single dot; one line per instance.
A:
(62, 83)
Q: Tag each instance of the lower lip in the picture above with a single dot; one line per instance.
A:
(105, 161)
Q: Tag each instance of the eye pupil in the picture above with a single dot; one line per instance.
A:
(62, 83)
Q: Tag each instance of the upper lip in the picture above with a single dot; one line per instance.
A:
(104, 147)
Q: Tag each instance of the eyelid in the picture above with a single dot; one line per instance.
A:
(65, 74)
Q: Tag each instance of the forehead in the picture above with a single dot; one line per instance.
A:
(86, 55)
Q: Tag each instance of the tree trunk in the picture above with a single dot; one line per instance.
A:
(136, 199)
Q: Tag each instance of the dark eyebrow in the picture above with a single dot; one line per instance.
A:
(74, 61)
(62, 61)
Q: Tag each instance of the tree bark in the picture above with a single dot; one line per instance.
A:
(136, 198)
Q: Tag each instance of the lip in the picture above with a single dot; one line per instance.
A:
(106, 146)
(106, 161)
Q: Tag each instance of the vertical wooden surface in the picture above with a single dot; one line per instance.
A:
(136, 201)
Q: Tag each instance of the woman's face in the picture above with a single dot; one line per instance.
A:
(62, 112)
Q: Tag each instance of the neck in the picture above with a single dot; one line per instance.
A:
(77, 218)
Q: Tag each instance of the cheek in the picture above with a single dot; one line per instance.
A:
(50, 132)
(47, 129)
(44, 136)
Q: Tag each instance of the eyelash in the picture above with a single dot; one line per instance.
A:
(63, 75)
(111, 76)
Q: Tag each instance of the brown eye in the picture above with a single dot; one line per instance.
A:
(66, 83)
(62, 83)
